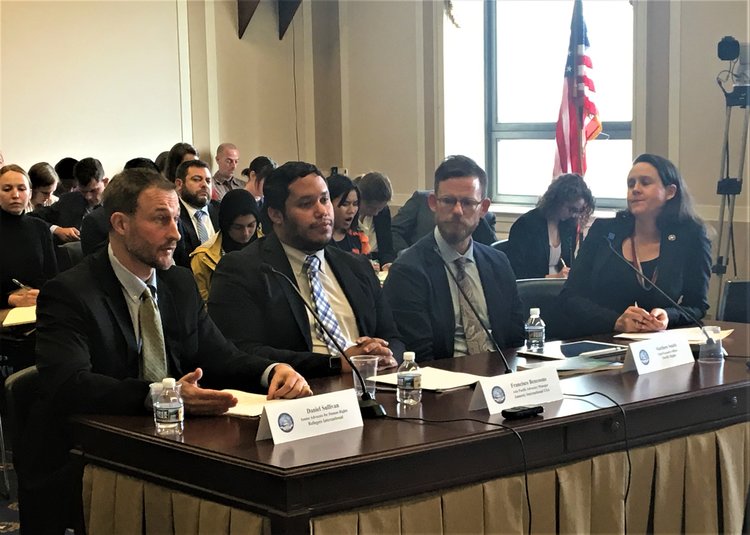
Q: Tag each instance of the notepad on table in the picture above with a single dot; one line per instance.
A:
(248, 404)
(435, 379)
(20, 316)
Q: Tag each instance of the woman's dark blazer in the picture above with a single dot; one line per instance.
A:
(528, 244)
(684, 270)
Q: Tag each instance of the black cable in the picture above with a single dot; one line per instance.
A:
(518, 436)
(627, 447)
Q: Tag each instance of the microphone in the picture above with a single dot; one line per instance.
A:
(368, 406)
(436, 250)
(682, 309)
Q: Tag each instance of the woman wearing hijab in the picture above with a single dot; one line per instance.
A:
(238, 227)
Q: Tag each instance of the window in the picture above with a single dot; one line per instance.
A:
(525, 47)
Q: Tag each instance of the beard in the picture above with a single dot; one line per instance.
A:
(194, 200)
(455, 230)
(146, 254)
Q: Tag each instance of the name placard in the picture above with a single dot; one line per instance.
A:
(307, 417)
(529, 387)
(657, 353)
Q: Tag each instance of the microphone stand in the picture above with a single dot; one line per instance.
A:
(436, 250)
(368, 406)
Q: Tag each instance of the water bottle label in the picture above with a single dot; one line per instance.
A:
(410, 382)
(169, 415)
(536, 335)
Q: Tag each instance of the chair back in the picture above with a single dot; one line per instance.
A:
(68, 255)
(21, 390)
(543, 294)
(501, 245)
(735, 302)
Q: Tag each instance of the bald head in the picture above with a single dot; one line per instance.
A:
(227, 159)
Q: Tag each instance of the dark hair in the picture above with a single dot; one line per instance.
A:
(460, 166)
(236, 203)
(161, 161)
(340, 186)
(145, 163)
(121, 195)
(276, 187)
(374, 187)
(567, 188)
(176, 154)
(64, 168)
(182, 169)
(41, 175)
(261, 166)
(680, 207)
(87, 170)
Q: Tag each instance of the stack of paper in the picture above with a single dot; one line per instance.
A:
(693, 335)
(435, 379)
(20, 316)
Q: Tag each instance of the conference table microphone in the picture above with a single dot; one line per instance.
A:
(436, 250)
(682, 309)
(368, 406)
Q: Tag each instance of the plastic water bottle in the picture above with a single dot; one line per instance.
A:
(534, 330)
(169, 410)
(409, 389)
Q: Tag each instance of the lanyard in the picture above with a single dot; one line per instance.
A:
(637, 264)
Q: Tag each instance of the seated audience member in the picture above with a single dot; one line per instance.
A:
(65, 215)
(238, 227)
(415, 220)
(199, 215)
(256, 307)
(227, 158)
(345, 200)
(374, 217)
(64, 169)
(180, 152)
(661, 236)
(43, 183)
(431, 310)
(95, 226)
(119, 320)
(161, 162)
(257, 172)
(543, 242)
(28, 254)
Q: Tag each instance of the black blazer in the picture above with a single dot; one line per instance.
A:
(86, 349)
(415, 220)
(382, 225)
(261, 313)
(684, 270)
(94, 231)
(189, 237)
(418, 291)
(68, 211)
(528, 244)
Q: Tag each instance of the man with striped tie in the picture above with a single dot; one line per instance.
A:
(199, 215)
(254, 297)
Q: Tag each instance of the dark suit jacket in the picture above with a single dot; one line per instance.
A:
(418, 291)
(684, 270)
(528, 244)
(189, 236)
(68, 211)
(262, 314)
(415, 220)
(94, 231)
(382, 226)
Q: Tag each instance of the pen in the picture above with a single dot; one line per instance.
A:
(562, 261)
(21, 285)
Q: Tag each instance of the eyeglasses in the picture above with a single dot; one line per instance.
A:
(467, 205)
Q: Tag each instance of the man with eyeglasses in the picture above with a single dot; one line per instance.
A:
(447, 290)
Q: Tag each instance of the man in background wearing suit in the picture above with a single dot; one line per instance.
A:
(430, 308)
(258, 309)
(199, 215)
(415, 220)
(65, 215)
(122, 318)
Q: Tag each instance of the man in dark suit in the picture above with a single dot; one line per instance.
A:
(91, 341)
(432, 307)
(253, 296)
(66, 214)
(415, 220)
(199, 215)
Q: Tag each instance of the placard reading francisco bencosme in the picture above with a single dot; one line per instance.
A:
(307, 417)
(530, 387)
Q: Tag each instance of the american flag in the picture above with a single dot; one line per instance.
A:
(578, 121)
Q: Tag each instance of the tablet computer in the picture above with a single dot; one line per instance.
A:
(587, 348)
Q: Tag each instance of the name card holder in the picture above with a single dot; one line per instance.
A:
(529, 387)
(296, 419)
(658, 353)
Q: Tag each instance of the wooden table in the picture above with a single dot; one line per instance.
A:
(392, 461)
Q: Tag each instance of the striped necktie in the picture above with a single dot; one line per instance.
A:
(322, 307)
(153, 353)
(476, 338)
(200, 227)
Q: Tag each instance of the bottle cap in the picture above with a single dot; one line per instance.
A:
(409, 355)
(168, 382)
(533, 312)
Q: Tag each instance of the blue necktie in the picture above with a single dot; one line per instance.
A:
(322, 307)
(202, 232)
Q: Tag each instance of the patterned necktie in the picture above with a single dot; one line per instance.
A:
(476, 338)
(202, 232)
(152, 338)
(322, 307)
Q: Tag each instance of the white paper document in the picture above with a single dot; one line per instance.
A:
(693, 335)
(435, 379)
(248, 404)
